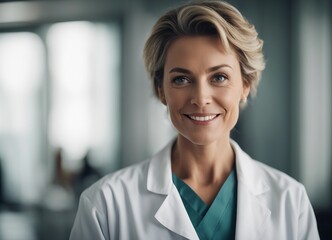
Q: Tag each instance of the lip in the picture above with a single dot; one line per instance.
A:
(202, 118)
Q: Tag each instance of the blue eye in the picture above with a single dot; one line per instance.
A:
(181, 80)
(219, 78)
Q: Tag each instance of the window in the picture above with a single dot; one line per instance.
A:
(21, 73)
(72, 77)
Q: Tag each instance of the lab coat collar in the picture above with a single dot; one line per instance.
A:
(251, 212)
(172, 213)
(159, 178)
(246, 172)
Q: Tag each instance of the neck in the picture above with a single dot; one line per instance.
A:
(202, 164)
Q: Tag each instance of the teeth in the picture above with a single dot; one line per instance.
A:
(202, 119)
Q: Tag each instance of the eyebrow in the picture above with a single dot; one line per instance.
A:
(211, 69)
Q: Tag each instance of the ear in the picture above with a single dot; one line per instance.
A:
(246, 91)
(162, 96)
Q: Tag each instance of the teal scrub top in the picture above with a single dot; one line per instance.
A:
(217, 221)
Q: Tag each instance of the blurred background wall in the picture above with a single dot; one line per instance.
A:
(76, 103)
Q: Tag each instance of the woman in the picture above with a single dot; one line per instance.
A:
(204, 59)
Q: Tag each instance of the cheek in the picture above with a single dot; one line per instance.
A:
(174, 105)
(175, 98)
(229, 99)
(231, 104)
(174, 109)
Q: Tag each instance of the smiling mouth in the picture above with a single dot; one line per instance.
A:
(202, 118)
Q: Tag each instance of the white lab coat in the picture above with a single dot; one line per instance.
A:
(141, 202)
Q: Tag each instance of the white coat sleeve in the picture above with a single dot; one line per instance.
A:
(89, 222)
(307, 220)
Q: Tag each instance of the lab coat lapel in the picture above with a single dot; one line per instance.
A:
(172, 213)
(251, 215)
(252, 189)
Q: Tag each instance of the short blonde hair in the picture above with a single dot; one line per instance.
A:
(207, 18)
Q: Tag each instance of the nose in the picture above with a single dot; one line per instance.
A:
(201, 94)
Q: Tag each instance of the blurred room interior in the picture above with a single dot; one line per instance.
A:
(76, 103)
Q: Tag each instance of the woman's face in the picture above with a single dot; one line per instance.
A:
(202, 88)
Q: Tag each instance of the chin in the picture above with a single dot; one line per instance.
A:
(201, 140)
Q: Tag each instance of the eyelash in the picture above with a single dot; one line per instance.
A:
(188, 80)
(220, 76)
(175, 79)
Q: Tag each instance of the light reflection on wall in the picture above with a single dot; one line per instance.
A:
(84, 66)
(315, 104)
(21, 69)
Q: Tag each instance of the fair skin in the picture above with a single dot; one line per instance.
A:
(202, 88)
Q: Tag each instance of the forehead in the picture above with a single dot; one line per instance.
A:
(199, 50)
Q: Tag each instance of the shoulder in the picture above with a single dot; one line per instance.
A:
(275, 176)
(260, 177)
(284, 197)
(128, 179)
(280, 183)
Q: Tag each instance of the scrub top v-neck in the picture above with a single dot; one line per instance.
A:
(217, 221)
